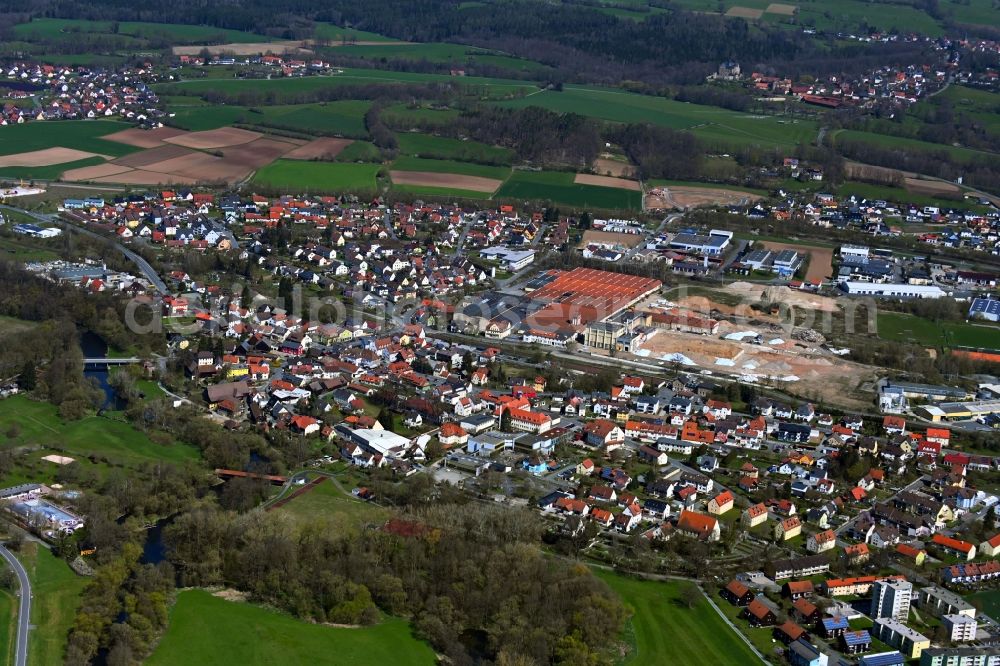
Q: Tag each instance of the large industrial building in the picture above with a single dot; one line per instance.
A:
(985, 308)
(959, 411)
(892, 290)
(712, 244)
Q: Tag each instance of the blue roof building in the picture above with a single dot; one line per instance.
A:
(893, 658)
(804, 653)
(985, 308)
(854, 642)
(835, 626)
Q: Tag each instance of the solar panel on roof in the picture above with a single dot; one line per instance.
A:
(857, 638)
(882, 659)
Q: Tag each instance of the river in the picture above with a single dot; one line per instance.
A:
(94, 347)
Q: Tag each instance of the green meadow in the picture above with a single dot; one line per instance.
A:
(350, 76)
(78, 134)
(302, 176)
(713, 124)
(48, 28)
(450, 166)
(558, 187)
(438, 147)
(56, 592)
(907, 328)
(359, 151)
(94, 441)
(340, 118)
(327, 506)
(405, 116)
(336, 33)
(664, 631)
(457, 54)
(206, 630)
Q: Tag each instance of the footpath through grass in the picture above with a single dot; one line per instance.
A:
(206, 630)
(663, 630)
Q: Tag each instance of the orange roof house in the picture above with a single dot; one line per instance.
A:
(955, 546)
(698, 525)
(721, 503)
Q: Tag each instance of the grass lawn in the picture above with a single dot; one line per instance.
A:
(342, 118)
(207, 630)
(338, 34)
(558, 187)
(40, 426)
(450, 166)
(326, 506)
(8, 625)
(300, 176)
(199, 117)
(56, 591)
(23, 249)
(150, 389)
(444, 148)
(990, 600)
(664, 631)
(359, 151)
(78, 134)
(907, 328)
(403, 115)
(10, 325)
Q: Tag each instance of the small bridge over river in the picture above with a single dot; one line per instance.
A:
(127, 360)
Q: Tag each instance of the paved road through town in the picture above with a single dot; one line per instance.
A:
(24, 609)
(140, 263)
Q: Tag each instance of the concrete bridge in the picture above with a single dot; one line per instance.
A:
(112, 361)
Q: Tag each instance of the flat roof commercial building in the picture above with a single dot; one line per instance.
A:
(511, 259)
(713, 243)
(985, 308)
(960, 410)
(892, 290)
